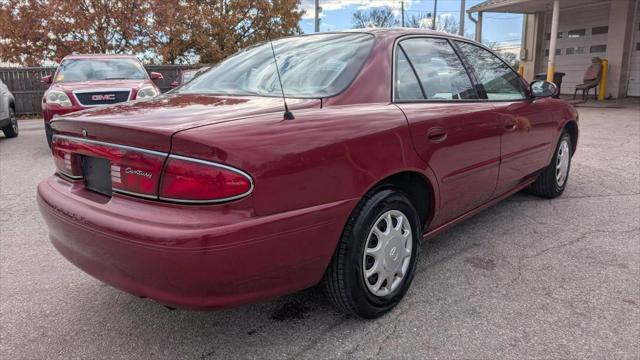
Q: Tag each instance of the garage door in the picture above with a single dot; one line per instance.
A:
(634, 76)
(582, 34)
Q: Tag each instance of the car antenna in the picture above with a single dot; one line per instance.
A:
(288, 115)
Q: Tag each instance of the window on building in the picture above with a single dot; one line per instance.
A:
(599, 30)
(499, 80)
(574, 50)
(549, 35)
(598, 49)
(577, 33)
(440, 73)
(558, 52)
(638, 46)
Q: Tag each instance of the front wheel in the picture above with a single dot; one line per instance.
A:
(553, 179)
(11, 130)
(375, 260)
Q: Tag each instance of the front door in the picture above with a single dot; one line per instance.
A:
(452, 130)
(527, 126)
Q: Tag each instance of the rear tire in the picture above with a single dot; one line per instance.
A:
(553, 179)
(11, 130)
(371, 269)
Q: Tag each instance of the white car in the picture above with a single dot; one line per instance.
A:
(8, 121)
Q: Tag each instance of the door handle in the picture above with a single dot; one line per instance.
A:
(436, 134)
(510, 125)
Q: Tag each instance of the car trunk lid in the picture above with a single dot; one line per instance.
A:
(124, 148)
(150, 124)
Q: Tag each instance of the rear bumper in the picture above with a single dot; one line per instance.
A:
(190, 256)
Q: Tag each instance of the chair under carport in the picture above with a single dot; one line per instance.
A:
(591, 79)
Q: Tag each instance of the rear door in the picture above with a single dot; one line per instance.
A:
(452, 130)
(527, 126)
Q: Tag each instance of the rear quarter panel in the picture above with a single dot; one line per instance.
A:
(323, 155)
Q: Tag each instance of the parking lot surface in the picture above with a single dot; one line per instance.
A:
(526, 278)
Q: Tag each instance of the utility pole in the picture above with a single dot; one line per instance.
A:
(461, 25)
(435, 11)
(317, 19)
(402, 12)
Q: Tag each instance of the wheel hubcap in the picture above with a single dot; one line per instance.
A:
(562, 163)
(387, 253)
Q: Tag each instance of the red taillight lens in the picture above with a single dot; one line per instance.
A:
(67, 162)
(189, 180)
(135, 171)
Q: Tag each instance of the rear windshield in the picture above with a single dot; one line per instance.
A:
(100, 69)
(312, 66)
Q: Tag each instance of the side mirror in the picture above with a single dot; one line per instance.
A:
(542, 88)
(156, 76)
(174, 84)
(46, 79)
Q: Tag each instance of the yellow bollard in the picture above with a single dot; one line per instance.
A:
(551, 70)
(602, 87)
(521, 70)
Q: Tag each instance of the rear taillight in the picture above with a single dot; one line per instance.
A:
(196, 181)
(67, 162)
(140, 172)
(133, 171)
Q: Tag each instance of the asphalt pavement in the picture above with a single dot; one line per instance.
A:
(527, 278)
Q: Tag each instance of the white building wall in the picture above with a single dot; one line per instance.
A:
(576, 27)
(634, 67)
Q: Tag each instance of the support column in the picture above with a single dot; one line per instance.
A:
(479, 28)
(555, 17)
(317, 17)
(531, 35)
(461, 24)
(619, 46)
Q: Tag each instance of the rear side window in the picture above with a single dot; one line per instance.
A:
(439, 71)
(499, 80)
(407, 86)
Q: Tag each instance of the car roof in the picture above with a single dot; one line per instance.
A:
(399, 31)
(100, 56)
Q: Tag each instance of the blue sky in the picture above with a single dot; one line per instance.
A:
(336, 15)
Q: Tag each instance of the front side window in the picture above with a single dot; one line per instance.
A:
(499, 80)
(314, 66)
(100, 69)
(440, 72)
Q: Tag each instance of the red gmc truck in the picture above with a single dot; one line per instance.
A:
(86, 81)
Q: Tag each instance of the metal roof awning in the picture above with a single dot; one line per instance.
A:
(528, 6)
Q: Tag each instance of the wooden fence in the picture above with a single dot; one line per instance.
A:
(26, 87)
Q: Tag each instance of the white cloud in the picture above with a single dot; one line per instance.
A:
(333, 5)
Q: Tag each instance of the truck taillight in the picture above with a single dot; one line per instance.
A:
(195, 181)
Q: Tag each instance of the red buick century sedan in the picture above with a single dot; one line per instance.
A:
(214, 195)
